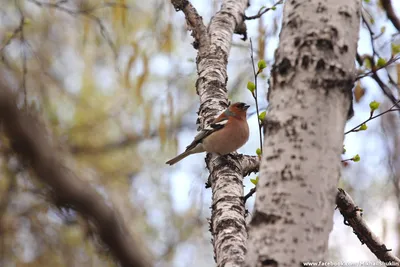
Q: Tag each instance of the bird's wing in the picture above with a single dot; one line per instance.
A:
(216, 125)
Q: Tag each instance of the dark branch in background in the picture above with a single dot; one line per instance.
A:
(23, 56)
(353, 217)
(387, 6)
(194, 21)
(376, 68)
(263, 10)
(31, 142)
(386, 90)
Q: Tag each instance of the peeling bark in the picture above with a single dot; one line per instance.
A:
(310, 96)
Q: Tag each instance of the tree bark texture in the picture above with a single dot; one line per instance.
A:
(309, 98)
(227, 223)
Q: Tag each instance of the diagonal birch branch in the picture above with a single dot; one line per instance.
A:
(30, 140)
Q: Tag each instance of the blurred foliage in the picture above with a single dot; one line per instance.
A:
(114, 82)
(97, 72)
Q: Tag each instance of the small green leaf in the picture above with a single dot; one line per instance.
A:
(363, 127)
(374, 105)
(395, 49)
(254, 181)
(261, 64)
(344, 150)
(367, 1)
(372, 20)
(356, 158)
(251, 86)
(381, 62)
(261, 117)
(383, 29)
(367, 62)
(273, 8)
(258, 152)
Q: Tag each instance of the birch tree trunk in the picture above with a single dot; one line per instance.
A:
(310, 96)
(227, 225)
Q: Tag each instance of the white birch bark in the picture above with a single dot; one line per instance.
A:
(309, 98)
(227, 223)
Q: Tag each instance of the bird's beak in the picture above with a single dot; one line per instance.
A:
(246, 107)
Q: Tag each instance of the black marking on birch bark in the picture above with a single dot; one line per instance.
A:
(297, 41)
(305, 61)
(286, 173)
(343, 11)
(324, 44)
(228, 223)
(321, 8)
(344, 85)
(283, 67)
(343, 49)
(180, 4)
(320, 65)
(264, 218)
(268, 263)
(271, 126)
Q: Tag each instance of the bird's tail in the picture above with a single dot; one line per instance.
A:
(179, 157)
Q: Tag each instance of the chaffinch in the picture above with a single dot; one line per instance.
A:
(228, 132)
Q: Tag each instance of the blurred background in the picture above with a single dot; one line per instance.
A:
(114, 81)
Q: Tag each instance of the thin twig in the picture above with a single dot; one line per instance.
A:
(263, 10)
(386, 90)
(255, 94)
(390, 61)
(371, 117)
(249, 194)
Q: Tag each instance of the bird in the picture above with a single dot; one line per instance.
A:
(227, 133)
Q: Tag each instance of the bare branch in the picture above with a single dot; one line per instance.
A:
(31, 142)
(195, 23)
(387, 5)
(249, 164)
(249, 194)
(262, 11)
(353, 217)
